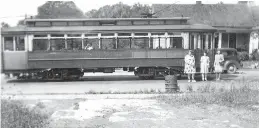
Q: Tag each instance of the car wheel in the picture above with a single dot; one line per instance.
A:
(232, 68)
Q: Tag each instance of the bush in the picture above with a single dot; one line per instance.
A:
(254, 55)
(14, 114)
(243, 56)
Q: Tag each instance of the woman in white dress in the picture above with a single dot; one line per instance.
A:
(189, 67)
(218, 64)
(205, 63)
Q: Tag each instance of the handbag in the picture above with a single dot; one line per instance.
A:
(221, 63)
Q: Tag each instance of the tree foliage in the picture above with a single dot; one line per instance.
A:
(59, 9)
(119, 10)
(5, 25)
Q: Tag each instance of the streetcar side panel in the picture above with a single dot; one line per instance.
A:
(111, 58)
(15, 60)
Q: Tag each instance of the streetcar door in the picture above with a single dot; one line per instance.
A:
(14, 53)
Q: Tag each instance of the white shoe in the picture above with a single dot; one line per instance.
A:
(202, 79)
(189, 81)
(193, 80)
(205, 79)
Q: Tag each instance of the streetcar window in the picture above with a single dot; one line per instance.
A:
(74, 35)
(124, 23)
(42, 24)
(8, 43)
(158, 43)
(40, 35)
(157, 34)
(40, 44)
(91, 35)
(57, 44)
(157, 22)
(57, 35)
(91, 23)
(19, 41)
(75, 23)
(140, 43)
(176, 42)
(108, 43)
(124, 34)
(141, 34)
(174, 33)
(140, 22)
(172, 22)
(74, 44)
(59, 23)
(92, 42)
(124, 43)
(107, 34)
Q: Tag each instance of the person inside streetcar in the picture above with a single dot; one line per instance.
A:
(89, 47)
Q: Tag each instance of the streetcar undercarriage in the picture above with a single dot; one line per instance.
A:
(145, 73)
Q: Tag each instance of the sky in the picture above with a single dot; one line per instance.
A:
(11, 11)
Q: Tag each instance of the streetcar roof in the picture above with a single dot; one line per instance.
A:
(108, 19)
(145, 28)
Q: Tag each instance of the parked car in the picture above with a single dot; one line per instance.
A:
(231, 61)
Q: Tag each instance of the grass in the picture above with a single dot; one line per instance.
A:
(141, 91)
(237, 94)
(14, 114)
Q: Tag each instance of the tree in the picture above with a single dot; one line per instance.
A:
(20, 23)
(119, 10)
(138, 8)
(5, 25)
(59, 9)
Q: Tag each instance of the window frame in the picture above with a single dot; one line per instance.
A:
(14, 43)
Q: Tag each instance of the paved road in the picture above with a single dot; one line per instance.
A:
(119, 81)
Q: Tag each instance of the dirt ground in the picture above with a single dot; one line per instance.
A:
(140, 113)
(68, 112)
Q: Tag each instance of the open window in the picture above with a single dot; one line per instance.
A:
(14, 43)
(140, 43)
(91, 42)
(57, 44)
(40, 44)
(8, 44)
(176, 42)
(124, 41)
(74, 44)
(19, 43)
(158, 41)
(108, 43)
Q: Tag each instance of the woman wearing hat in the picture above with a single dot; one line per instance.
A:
(189, 67)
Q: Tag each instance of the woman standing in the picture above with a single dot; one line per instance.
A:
(190, 66)
(218, 64)
(205, 63)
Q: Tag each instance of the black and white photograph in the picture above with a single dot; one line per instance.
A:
(129, 64)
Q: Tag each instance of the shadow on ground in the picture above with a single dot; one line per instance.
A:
(211, 77)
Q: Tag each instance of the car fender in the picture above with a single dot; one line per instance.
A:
(231, 62)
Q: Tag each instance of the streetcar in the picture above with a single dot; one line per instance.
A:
(67, 48)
